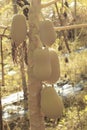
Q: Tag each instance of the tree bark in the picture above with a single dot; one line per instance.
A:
(36, 116)
(15, 6)
(1, 120)
(2, 62)
(23, 77)
(63, 32)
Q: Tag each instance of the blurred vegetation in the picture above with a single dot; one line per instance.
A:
(73, 68)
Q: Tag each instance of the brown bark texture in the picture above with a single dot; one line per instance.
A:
(34, 87)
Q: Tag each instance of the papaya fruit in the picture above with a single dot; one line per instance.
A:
(18, 28)
(47, 32)
(42, 66)
(55, 67)
(51, 103)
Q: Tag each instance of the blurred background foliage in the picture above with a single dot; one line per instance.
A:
(73, 66)
(77, 59)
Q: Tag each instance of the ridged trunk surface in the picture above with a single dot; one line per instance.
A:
(36, 116)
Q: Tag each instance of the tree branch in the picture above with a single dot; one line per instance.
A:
(70, 27)
(46, 4)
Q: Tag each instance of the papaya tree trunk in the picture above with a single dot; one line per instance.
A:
(75, 9)
(2, 62)
(23, 77)
(1, 120)
(24, 86)
(75, 5)
(14, 2)
(34, 87)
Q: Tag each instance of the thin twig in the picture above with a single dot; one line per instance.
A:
(63, 32)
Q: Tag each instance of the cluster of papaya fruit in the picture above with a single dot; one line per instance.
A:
(45, 62)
